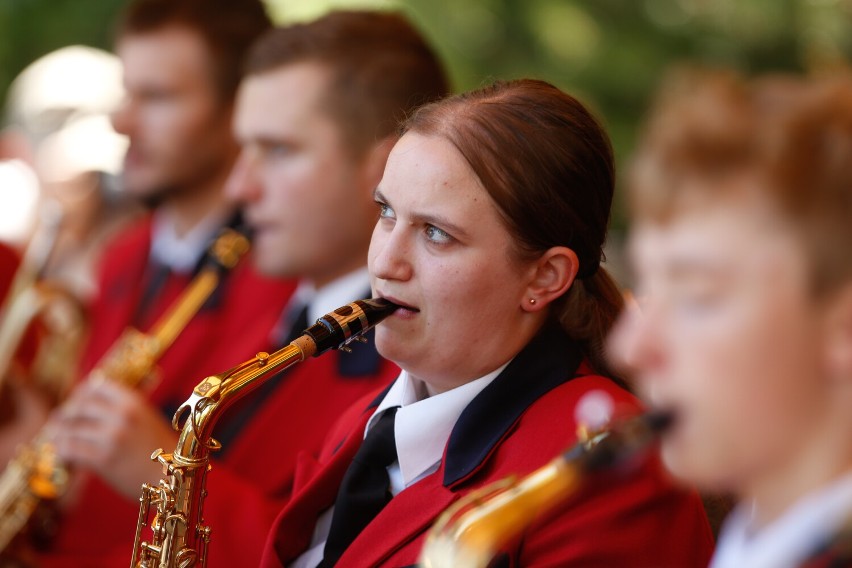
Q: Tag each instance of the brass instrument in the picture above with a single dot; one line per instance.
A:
(35, 474)
(180, 538)
(30, 297)
(469, 533)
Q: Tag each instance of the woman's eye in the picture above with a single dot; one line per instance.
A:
(437, 236)
(385, 212)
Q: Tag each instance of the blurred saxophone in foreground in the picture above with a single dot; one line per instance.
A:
(34, 474)
(469, 533)
(180, 537)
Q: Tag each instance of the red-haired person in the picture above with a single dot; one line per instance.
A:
(742, 196)
(493, 210)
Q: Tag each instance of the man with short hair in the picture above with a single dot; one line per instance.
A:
(182, 63)
(317, 115)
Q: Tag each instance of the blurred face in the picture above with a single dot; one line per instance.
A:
(726, 335)
(308, 199)
(179, 130)
(440, 249)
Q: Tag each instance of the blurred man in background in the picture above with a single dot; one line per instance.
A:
(182, 64)
(317, 115)
(742, 197)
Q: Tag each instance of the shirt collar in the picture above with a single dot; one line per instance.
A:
(789, 540)
(420, 448)
(337, 293)
(182, 253)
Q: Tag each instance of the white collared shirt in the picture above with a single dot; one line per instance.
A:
(181, 253)
(423, 424)
(333, 295)
(789, 540)
(422, 429)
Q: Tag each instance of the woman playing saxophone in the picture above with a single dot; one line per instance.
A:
(492, 213)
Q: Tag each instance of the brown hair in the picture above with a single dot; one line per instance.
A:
(227, 27)
(790, 137)
(381, 68)
(548, 165)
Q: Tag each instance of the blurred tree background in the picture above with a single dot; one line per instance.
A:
(610, 53)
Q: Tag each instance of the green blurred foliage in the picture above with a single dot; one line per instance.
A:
(32, 28)
(610, 53)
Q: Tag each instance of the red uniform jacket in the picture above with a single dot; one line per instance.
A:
(514, 426)
(253, 474)
(8, 266)
(26, 351)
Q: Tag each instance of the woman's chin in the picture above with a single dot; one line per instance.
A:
(388, 344)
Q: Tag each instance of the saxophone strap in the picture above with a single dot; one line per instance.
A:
(157, 273)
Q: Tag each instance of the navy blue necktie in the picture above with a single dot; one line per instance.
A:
(298, 325)
(157, 274)
(365, 489)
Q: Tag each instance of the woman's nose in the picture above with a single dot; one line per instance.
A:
(390, 254)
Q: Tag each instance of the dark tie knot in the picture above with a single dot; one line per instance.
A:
(379, 447)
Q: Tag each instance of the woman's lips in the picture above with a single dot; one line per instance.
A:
(404, 310)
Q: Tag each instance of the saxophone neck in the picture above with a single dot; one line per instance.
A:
(178, 500)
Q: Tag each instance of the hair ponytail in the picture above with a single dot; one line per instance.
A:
(587, 312)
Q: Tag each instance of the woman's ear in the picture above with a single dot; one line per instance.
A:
(552, 275)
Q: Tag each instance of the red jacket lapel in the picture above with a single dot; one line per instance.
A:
(405, 519)
(291, 533)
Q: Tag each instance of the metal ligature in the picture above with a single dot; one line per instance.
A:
(173, 508)
(469, 533)
(35, 475)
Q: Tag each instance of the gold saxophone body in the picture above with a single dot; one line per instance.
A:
(470, 532)
(173, 508)
(34, 474)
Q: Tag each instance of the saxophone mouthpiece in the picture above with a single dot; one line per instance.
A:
(346, 324)
(659, 421)
(623, 441)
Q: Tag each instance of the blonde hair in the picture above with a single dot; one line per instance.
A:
(792, 135)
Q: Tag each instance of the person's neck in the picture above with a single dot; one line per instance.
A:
(822, 459)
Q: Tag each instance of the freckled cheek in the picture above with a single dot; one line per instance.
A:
(462, 295)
